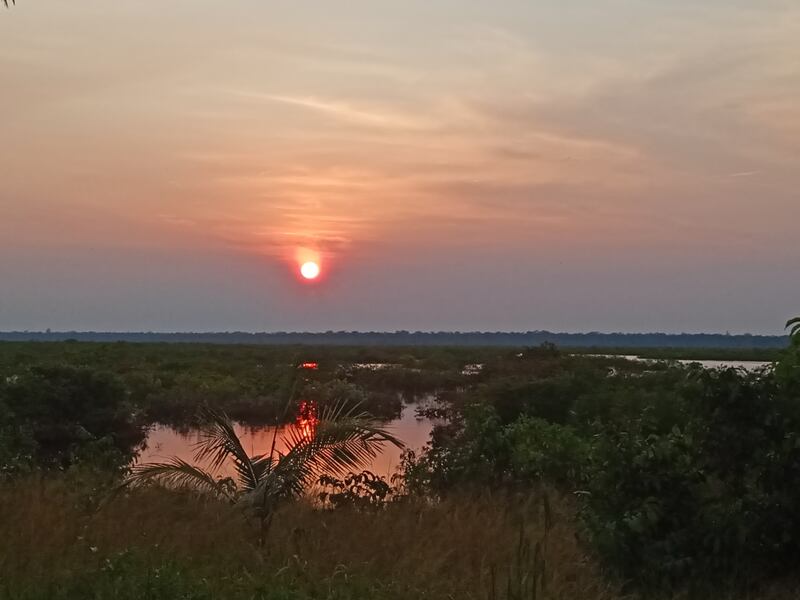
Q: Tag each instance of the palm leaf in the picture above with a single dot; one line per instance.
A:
(341, 441)
(178, 474)
(346, 444)
(793, 325)
(219, 443)
(5, 2)
(346, 439)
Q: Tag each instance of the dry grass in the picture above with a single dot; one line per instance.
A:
(52, 533)
(52, 530)
(453, 549)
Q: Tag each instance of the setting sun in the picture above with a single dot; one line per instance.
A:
(309, 270)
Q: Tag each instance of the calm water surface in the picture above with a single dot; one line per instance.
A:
(164, 442)
(747, 365)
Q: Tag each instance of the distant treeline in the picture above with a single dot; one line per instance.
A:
(420, 338)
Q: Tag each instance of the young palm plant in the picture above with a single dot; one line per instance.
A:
(793, 325)
(335, 441)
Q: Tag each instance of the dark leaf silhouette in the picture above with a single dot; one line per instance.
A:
(339, 441)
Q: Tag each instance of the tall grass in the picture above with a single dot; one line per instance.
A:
(61, 539)
(57, 539)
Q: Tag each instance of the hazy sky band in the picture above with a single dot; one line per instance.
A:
(621, 165)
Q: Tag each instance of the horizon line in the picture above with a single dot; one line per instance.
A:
(381, 332)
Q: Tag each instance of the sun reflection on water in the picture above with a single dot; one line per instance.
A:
(307, 418)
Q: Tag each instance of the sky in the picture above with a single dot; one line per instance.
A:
(571, 165)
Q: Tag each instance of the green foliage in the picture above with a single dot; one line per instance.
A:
(124, 576)
(543, 451)
(62, 397)
(484, 452)
(469, 453)
(133, 575)
(362, 491)
(56, 416)
(168, 382)
(340, 391)
(787, 368)
(641, 505)
(541, 427)
(546, 398)
(685, 476)
(716, 498)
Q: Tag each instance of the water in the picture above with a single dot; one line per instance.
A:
(747, 365)
(164, 442)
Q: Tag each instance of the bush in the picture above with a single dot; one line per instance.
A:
(642, 504)
(716, 501)
(362, 491)
(56, 413)
(542, 451)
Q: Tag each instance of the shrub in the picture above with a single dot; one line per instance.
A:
(362, 491)
(715, 501)
(55, 411)
(546, 451)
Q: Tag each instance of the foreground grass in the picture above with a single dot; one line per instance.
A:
(61, 540)
(57, 543)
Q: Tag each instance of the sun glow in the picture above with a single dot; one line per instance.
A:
(309, 270)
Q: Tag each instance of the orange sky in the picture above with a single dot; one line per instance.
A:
(630, 165)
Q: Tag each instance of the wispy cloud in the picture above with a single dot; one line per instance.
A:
(343, 110)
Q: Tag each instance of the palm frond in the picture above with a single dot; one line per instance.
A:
(346, 444)
(5, 2)
(262, 465)
(341, 441)
(276, 485)
(177, 474)
(219, 443)
(793, 325)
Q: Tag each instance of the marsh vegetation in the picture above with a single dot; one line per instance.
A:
(548, 474)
